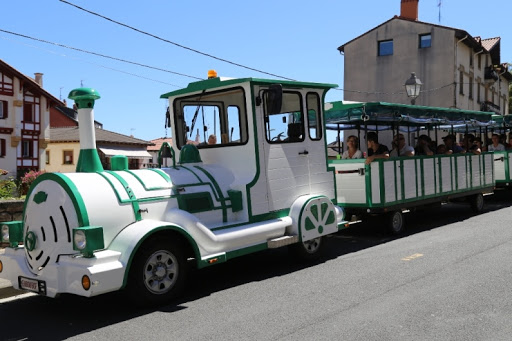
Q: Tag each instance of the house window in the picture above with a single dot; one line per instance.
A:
(425, 40)
(471, 58)
(47, 157)
(67, 157)
(3, 109)
(2, 147)
(470, 94)
(478, 93)
(26, 149)
(461, 83)
(30, 108)
(385, 48)
(479, 61)
(5, 84)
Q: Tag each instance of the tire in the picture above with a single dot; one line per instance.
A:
(396, 223)
(158, 272)
(477, 203)
(308, 250)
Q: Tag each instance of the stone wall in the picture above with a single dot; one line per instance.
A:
(11, 210)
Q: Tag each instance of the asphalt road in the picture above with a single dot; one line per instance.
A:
(448, 278)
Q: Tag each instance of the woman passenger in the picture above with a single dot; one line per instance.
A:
(352, 152)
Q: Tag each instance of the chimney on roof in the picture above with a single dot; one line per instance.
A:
(409, 9)
(39, 78)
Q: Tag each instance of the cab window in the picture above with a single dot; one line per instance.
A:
(210, 120)
(314, 118)
(288, 125)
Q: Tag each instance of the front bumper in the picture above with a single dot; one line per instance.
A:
(105, 271)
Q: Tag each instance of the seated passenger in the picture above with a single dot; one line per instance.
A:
(375, 149)
(496, 146)
(294, 132)
(467, 142)
(441, 149)
(352, 152)
(212, 139)
(423, 146)
(476, 147)
(451, 146)
(400, 148)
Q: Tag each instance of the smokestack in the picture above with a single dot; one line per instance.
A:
(88, 160)
(39, 78)
(409, 9)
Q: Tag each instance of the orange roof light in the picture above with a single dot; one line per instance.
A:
(212, 74)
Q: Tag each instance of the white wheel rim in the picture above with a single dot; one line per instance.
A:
(160, 272)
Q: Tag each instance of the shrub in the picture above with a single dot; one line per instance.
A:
(7, 186)
(28, 179)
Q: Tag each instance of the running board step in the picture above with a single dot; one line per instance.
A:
(282, 241)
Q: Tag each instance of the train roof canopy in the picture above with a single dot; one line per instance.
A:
(218, 82)
(382, 113)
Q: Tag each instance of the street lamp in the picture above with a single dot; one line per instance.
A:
(413, 87)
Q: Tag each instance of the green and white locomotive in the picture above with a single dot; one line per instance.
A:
(265, 183)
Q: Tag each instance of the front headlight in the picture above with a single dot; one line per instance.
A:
(80, 239)
(88, 239)
(5, 233)
(12, 232)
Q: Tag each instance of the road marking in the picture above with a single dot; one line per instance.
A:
(411, 257)
(17, 297)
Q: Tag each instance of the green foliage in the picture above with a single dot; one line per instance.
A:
(8, 185)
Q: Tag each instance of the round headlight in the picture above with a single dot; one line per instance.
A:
(5, 233)
(80, 240)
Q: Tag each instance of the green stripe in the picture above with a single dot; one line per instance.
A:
(142, 182)
(222, 200)
(131, 195)
(191, 171)
(71, 190)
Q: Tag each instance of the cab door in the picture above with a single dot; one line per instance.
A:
(286, 152)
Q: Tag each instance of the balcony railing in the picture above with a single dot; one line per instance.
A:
(490, 106)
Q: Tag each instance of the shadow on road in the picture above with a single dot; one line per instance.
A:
(67, 316)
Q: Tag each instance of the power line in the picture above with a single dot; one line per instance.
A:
(95, 64)
(174, 43)
(99, 54)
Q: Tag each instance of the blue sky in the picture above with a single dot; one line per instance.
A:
(293, 39)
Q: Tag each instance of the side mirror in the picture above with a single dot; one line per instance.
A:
(274, 99)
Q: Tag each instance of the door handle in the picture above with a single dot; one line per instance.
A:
(305, 152)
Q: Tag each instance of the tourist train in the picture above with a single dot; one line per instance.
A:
(264, 182)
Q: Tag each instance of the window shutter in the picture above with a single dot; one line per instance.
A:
(2, 147)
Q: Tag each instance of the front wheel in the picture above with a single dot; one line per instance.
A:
(308, 250)
(157, 274)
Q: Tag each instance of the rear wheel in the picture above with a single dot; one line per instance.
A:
(157, 274)
(477, 202)
(396, 222)
(308, 250)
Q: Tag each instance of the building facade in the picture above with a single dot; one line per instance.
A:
(64, 148)
(24, 120)
(457, 70)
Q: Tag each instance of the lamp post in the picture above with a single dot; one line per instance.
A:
(413, 87)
